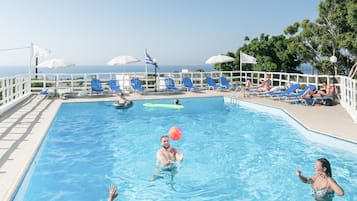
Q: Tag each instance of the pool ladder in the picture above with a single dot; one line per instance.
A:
(232, 100)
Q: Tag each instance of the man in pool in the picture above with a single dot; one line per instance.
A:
(167, 155)
(167, 158)
(124, 101)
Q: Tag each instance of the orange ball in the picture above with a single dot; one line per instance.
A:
(175, 133)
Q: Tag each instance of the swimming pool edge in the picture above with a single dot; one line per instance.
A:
(309, 133)
(30, 150)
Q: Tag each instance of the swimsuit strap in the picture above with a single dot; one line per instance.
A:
(323, 177)
(323, 193)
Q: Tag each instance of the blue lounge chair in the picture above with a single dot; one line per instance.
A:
(96, 86)
(325, 100)
(136, 85)
(44, 91)
(289, 90)
(49, 92)
(187, 83)
(274, 91)
(170, 84)
(225, 84)
(212, 84)
(114, 86)
(299, 96)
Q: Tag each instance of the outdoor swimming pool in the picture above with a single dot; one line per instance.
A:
(231, 153)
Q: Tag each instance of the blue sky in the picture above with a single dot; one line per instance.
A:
(175, 32)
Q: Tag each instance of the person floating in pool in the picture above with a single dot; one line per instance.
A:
(177, 102)
(167, 158)
(123, 102)
(323, 185)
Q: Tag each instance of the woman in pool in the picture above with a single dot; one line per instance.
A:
(323, 185)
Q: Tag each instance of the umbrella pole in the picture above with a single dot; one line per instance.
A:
(155, 77)
(240, 70)
(36, 69)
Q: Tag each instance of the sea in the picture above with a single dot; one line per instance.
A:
(6, 71)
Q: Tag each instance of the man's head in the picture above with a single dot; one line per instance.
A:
(165, 142)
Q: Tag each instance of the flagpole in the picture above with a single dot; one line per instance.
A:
(240, 66)
(146, 69)
(31, 58)
(29, 68)
(155, 64)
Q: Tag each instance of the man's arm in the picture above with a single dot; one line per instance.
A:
(178, 155)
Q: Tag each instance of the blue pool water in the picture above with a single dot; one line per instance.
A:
(231, 153)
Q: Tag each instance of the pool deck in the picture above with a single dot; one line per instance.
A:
(24, 127)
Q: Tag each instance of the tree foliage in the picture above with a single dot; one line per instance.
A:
(273, 53)
(334, 32)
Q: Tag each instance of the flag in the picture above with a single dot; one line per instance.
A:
(148, 59)
(40, 52)
(244, 58)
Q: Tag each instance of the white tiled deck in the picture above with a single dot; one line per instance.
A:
(23, 128)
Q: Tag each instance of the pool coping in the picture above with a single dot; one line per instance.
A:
(24, 127)
(311, 135)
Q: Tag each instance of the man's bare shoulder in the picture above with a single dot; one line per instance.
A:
(160, 151)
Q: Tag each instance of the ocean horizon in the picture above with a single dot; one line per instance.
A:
(6, 71)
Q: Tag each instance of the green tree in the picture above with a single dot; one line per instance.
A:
(333, 33)
(275, 53)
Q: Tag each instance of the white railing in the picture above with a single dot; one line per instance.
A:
(348, 92)
(16, 88)
(13, 90)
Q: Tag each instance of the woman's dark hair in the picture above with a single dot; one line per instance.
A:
(326, 164)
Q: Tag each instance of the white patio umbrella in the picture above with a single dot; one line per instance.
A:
(122, 60)
(218, 59)
(54, 63)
